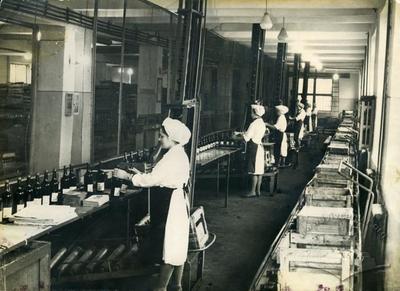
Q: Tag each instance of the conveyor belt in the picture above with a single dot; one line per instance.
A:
(319, 246)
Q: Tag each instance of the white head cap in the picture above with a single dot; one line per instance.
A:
(176, 130)
(282, 109)
(258, 109)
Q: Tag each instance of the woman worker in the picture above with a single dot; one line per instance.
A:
(280, 137)
(169, 206)
(255, 150)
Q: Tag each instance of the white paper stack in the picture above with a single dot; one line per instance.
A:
(96, 200)
(44, 215)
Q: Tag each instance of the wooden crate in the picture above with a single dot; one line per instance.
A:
(27, 268)
(306, 269)
(322, 241)
(325, 220)
(328, 197)
(338, 148)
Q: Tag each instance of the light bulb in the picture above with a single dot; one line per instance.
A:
(335, 76)
(38, 36)
(266, 21)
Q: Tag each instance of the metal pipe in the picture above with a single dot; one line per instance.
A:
(84, 258)
(121, 81)
(70, 258)
(106, 266)
(94, 57)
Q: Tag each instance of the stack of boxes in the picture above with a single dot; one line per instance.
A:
(320, 253)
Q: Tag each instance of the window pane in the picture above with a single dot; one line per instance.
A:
(310, 85)
(324, 103)
(324, 86)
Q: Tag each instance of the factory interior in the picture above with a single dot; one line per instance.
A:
(205, 145)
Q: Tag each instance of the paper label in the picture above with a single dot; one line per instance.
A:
(20, 206)
(117, 190)
(37, 201)
(46, 200)
(54, 197)
(7, 212)
(30, 203)
(100, 186)
(90, 188)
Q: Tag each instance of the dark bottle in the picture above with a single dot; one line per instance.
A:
(101, 179)
(55, 189)
(46, 189)
(20, 197)
(64, 181)
(29, 191)
(7, 203)
(88, 180)
(37, 191)
(116, 187)
(73, 181)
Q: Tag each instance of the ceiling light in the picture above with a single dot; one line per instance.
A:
(282, 36)
(129, 71)
(303, 65)
(120, 70)
(335, 76)
(266, 21)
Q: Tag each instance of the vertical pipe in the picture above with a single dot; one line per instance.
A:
(295, 83)
(367, 66)
(121, 84)
(94, 41)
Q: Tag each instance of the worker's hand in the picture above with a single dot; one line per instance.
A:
(121, 174)
(134, 170)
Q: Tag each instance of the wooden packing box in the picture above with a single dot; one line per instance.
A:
(27, 268)
(325, 220)
(307, 269)
(338, 148)
(322, 241)
(328, 197)
(324, 181)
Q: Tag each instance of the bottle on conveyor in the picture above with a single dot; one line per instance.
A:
(55, 189)
(29, 191)
(57, 257)
(46, 189)
(68, 260)
(65, 182)
(73, 180)
(89, 268)
(20, 197)
(37, 191)
(88, 181)
(7, 203)
(107, 265)
(131, 252)
(101, 179)
(75, 268)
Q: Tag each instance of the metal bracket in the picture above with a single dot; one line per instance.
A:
(371, 195)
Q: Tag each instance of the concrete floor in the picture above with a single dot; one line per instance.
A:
(247, 227)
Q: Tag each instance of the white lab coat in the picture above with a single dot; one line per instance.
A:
(301, 116)
(172, 171)
(256, 132)
(281, 125)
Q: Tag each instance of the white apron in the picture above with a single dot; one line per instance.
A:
(260, 160)
(284, 145)
(176, 239)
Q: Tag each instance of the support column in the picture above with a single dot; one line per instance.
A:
(306, 75)
(149, 73)
(279, 70)
(257, 52)
(295, 84)
(60, 134)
